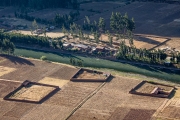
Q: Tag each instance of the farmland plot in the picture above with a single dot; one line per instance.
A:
(7, 86)
(28, 69)
(115, 94)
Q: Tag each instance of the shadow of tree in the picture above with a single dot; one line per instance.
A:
(16, 59)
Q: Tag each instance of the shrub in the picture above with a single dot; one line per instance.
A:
(43, 58)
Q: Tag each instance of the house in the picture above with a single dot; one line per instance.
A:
(38, 31)
(100, 49)
(67, 45)
(52, 27)
(81, 47)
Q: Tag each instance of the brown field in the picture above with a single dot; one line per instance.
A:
(54, 81)
(32, 92)
(160, 24)
(7, 87)
(139, 114)
(65, 73)
(110, 101)
(113, 95)
(5, 70)
(170, 109)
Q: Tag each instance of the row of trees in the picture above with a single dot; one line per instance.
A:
(121, 26)
(143, 55)
(66, 20)
(58, 20)
(6, 46)
(25, 39)
(40, 4)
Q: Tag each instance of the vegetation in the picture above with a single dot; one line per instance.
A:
(141, 55)
(6, 46)
(43, 58)
(25, 39)
(100, 63)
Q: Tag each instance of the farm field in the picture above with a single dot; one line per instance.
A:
(64, 100)
(159, 26)
(100, 100)
(113, 96)
(31, 93)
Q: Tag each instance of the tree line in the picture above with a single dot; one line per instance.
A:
(142, 55)
(25, 39)
(6, 46)
(59, 20)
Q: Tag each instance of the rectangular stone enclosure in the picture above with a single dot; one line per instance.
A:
(32, 92)
(152, 89)
(86, 75)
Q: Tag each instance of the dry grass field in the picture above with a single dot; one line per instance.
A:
(114, 95)
(54, 81)
(110, 100)
(5, 70)
(7, 87)
(170, 109)
(32, 93)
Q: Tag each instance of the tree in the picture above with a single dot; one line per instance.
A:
(34, 24)
(60, 43)
(110, 38)
(96, 36)
(101, 24)
(43, 58)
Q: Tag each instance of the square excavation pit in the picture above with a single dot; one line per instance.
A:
(31, 92)
(5, 70)
(86, 75)
(152, 89)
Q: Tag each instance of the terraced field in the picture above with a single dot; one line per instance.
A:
(74, 100)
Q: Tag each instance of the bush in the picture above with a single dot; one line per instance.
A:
(43, 58)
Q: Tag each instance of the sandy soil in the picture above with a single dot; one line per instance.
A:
(33, 93)
(6, 70)
(54, 81)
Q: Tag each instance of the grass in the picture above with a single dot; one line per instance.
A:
(100, 63)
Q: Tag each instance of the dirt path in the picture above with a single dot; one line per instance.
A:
(84, 100)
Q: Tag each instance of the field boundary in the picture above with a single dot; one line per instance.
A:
(84, 101)
(133, 90)
(74, 79)
(7, 97)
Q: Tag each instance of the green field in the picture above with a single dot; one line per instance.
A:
(100, 63)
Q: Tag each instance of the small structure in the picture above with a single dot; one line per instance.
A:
(100, 49)
(81, 47)
(38, 31)
(67, 45)
(152, 89)
(52, 27)
(86, 75)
